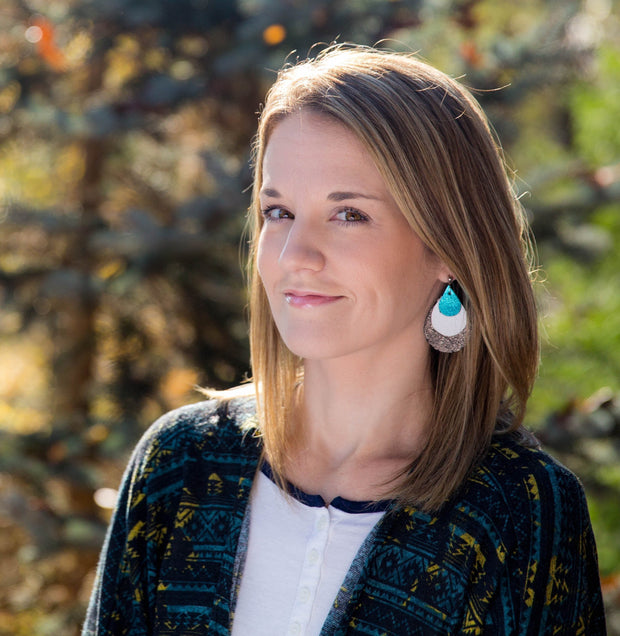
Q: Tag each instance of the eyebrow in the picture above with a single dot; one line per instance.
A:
(332, 196)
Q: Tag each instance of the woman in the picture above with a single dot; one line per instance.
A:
(394, 346)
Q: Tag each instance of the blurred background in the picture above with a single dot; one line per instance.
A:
(125, 128)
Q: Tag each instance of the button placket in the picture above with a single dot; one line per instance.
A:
(311, 572)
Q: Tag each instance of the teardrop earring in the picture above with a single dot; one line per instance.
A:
(445, 327)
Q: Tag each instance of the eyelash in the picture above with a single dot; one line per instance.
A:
(362, 217)
(267, 213)
(269, 209)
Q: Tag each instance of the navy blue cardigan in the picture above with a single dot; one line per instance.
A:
(511, 553)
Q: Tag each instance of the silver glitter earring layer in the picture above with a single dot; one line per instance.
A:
(446, 327)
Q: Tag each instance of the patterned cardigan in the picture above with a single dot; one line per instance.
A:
(511, 553)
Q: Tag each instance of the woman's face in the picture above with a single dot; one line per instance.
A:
(343, 271)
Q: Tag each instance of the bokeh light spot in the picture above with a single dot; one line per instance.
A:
(33, 34)
(106, 498)
(274, 34)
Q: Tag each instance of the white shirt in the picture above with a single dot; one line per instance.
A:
(299, 552)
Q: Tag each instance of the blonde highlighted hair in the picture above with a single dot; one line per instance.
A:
(442, 164)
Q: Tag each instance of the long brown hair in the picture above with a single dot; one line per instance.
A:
(442, 164)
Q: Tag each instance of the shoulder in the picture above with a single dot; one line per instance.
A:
(510, 469)
(513, 547)
(212, 426)
(519, 493)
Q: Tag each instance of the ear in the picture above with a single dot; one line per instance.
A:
(439, 268)
(444, 273)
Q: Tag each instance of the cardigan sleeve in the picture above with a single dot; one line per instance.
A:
(118, 603)
(551, 584)
(121, 600)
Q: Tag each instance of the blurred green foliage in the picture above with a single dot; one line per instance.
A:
(125, 129)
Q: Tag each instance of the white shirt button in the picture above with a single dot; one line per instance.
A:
(304, 594)
(322, 522)
(294, 629)
(313, 557)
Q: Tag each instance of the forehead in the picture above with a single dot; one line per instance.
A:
(307, 144)
(306, 125)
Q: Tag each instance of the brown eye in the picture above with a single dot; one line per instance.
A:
(276, 213)
(351, 215)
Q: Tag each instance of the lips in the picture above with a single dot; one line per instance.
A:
(297, 298)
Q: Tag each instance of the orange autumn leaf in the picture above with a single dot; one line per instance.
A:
(47, 47)
(470, 53)
(610, 585)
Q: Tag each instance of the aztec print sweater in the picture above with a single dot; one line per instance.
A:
(511, 554)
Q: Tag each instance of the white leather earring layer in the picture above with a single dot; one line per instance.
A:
(445, 327)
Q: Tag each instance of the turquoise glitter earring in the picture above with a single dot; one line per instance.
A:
(445, 327)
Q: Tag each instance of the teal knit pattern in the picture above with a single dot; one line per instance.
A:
(512, 553)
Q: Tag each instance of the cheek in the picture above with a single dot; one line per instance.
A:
(266, 259)
(412, 275)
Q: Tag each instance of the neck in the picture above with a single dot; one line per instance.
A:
(366, 410)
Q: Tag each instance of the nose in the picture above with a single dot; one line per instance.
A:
(303, 248)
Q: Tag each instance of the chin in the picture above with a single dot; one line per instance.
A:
(322, 348)
(313, 348)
